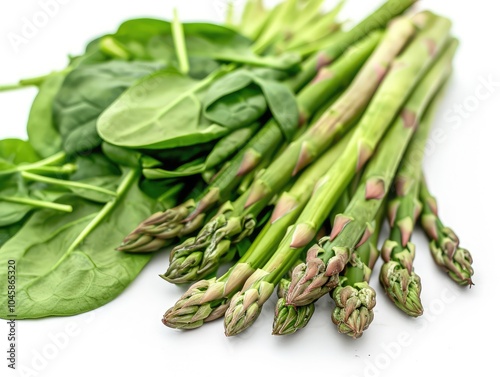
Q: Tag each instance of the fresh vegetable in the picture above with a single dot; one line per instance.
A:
(354, 298)
(260, 154)
(444, 243)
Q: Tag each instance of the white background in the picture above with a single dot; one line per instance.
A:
(126, 336)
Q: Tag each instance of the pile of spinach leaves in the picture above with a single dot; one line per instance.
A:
(119, 133)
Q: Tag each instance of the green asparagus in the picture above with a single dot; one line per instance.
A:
(326, 260)
(289, 319)
(354, 298)
(444, 243)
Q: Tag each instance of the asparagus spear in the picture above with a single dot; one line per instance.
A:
(287, 318)
(154, 232)
(208, 299)
(444, 243)
(397, 276)
(326, 260)
(354, 298)
(253, 19)
(378, 19)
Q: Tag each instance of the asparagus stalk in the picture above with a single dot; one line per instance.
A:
(378, 19)
(354, 298)
(444, 243)
(253, 19)
(208, 299)
(289, 319)
(154, 232)
(327, 259)
(397, 276)
(246, 305)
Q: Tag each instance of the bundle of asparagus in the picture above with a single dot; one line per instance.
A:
(367, 143)
(367, 103)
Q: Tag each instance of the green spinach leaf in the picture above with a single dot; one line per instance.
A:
(85, 93)
(42, 132)
(67, 263)
(159, 112)
(14, 152)
(7, 232)
(243, 96)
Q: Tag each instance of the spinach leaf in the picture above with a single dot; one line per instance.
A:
(14, 152)
(92, 55)
(122, 156)
(94, 165)
(166, 192)
(7, 232)
(243, 96)
(191, 168)
(42, 133)
(67, 263)
(159, 112)
(85, 93)
(173, 157)
(96, 170)
(17, 197)
(234, 101)
(225, 44)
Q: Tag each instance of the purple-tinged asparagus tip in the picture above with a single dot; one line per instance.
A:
(406, 227)
(305, 157)
(258, 191)
(286, 204)
(364, 154)
(302, 235)
(375, 188)
(250, 160)
(339, 224)
(409, 118)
